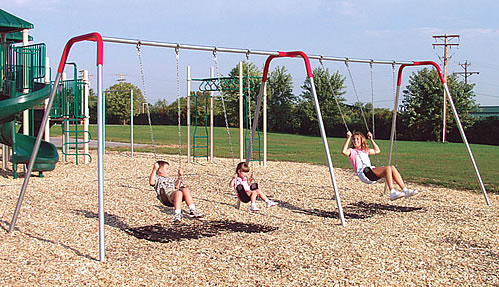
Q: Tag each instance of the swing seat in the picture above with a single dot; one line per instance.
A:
(242, 195)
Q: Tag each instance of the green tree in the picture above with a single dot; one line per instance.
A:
(92, 106)
(325, 84)
(118, 101)
(281, 100)
(423, 101)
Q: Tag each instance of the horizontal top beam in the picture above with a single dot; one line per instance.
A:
(247, 52)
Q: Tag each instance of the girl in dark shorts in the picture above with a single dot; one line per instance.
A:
(358, 154)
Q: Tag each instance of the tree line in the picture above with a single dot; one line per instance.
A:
(419, 115)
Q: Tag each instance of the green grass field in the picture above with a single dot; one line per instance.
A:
(423, 162)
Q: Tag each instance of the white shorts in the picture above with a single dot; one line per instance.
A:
(364, 178)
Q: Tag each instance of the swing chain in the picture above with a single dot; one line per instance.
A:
(356, 94)
(223, 102)
(334, 96)
(145, 97)
(248, 98)
(372, 98)
(177, 60)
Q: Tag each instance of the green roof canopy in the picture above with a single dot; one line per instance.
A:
(17, 37)
(10, 23)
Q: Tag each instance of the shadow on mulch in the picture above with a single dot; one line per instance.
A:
(178, 232)
(6, 173)
(358, 210)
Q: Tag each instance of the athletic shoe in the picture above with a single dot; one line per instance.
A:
(409, 192)
(196, 213)
(394, 194)
(177, 217)
(271, 203)
(254, 208)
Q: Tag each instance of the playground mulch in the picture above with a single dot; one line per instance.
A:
(441, 237)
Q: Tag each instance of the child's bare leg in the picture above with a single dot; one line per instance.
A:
(386, 172)
(187, 196)
(177, 200)
(397, 177)
(253, 196)
(261, 194)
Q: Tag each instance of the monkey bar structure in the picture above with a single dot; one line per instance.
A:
(96, 37)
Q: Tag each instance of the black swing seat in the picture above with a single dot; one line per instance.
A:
(241, 193)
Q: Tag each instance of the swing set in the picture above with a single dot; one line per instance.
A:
(96, 37)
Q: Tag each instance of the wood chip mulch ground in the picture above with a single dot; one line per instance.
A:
(440, 237)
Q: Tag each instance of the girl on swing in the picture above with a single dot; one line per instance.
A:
(246, 189)
(358, 154)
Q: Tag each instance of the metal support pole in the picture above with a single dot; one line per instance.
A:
(212, 142)
(34, 154)
(5, 156)
(326, 149)
(465, 140)
(100, 157)
(65, 125)
(46, 136)
(25, 80)
(265, 125)
(241, 117)
(86, 119)
(131, 122)
(189, 114)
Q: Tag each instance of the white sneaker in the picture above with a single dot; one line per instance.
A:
(395, 194)
(409, 192)
(196, 213)
(177, 217)
(271, 203)
(254, 208)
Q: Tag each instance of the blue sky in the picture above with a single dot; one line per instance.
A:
(384, 30)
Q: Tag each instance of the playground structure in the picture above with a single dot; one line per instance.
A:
(271, 55)
(25, 83)
(241, 84)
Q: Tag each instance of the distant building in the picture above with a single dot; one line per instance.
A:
(484, 112)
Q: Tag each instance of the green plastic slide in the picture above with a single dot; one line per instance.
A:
(23, 145)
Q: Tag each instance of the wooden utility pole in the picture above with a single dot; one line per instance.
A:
(465, 66)
(446, 38)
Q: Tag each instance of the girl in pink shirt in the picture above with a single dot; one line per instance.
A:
(358, 154)
(245, 189)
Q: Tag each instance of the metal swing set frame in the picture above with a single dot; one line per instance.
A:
(96, 37)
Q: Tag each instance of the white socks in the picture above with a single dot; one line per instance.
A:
(192, 206)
